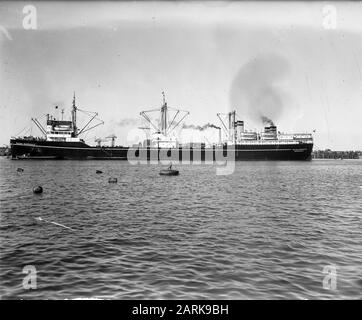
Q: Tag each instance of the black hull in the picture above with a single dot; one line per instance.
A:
(45, 150)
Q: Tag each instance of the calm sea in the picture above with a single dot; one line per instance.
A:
(270, 230)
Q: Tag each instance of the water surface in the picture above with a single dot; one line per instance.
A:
(266, 231)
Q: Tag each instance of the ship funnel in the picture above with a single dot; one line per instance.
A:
(270, 133)
(239, 129)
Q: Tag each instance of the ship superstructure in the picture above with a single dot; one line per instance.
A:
(59, 130)
(236, 134)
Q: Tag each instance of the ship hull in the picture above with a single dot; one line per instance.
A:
(46, 150)
(42, 149)
(301, 151)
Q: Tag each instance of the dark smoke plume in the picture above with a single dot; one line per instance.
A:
(255, 91)
(200, 128)
(266, 120)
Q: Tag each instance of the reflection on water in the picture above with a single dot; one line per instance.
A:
(267, 231)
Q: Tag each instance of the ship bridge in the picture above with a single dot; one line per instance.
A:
(59, 130)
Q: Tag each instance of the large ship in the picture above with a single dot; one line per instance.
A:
(62, 140)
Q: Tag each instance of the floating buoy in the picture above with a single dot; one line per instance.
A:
(20, 170)
(38, 189)
(112, 180)
(99, 171)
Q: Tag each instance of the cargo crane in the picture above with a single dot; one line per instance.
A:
(113, 138)
(99, 141)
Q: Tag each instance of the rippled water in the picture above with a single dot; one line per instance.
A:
(267, 231)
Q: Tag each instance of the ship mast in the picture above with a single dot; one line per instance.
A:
(74, 117)
(164, 126)
(92, 115)
(164, 115)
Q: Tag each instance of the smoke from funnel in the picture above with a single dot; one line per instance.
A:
(255, 90)
(200, 128)
(266, 120)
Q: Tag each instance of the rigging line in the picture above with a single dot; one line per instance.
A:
(26, 127)
(93, 127)
(42, 116)
(174, 118)
(87, 124)
(146, 117)
(178, 122)
(174, 109)
(222, 123)
(86, 111)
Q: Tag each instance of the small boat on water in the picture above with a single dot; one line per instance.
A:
(169, 172)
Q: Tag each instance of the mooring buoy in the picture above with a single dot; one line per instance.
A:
(38, 189)
(112, 180)
(20, 170)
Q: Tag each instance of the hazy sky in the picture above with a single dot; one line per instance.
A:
(280, 60)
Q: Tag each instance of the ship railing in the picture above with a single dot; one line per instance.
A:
(274, 142)
(29, 138)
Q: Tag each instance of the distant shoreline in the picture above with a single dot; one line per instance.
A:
(335, 159)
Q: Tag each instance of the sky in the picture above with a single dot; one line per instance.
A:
(298, 64)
